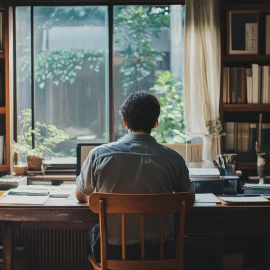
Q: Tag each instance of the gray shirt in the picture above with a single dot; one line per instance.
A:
(137, 164)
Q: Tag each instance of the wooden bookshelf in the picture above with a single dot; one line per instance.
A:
(231, 58)
(252, 58)
(246, 107)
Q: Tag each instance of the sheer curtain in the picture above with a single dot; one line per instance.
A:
(202, 68)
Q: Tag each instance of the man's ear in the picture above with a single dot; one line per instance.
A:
(156, 124)
(125, 124)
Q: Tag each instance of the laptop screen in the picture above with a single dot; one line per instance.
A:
(83, 150)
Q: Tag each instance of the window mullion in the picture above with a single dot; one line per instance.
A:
(32, 76)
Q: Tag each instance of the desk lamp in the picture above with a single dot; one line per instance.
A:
(261, 166)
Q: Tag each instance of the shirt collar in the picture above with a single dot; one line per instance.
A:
(139, 137)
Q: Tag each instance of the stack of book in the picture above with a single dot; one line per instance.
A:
(242, 137)
(60, 166)
(249, 85)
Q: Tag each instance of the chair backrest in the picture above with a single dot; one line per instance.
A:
(141, 204)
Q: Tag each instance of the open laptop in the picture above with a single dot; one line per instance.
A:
(83, 150)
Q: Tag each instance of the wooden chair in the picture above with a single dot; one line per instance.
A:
(109, 203)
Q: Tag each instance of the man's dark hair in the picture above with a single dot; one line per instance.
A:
(140, 110)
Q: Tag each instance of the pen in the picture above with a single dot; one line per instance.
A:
(216, 164)
(257, 148)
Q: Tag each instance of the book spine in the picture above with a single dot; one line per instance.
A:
(267, 45)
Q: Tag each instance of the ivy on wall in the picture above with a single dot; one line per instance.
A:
(59, 65)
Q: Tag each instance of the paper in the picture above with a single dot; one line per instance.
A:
(204, 204)
(27, 192)
(14, 199)
(248, 199)
(206, 172)
(257, 186)
(206, 198)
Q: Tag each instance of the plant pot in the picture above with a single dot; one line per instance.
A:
(20, 169)
(34, 163)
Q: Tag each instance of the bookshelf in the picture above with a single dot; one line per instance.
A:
(4, 92)
(245, 36)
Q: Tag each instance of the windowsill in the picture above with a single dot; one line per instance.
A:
(52, 177)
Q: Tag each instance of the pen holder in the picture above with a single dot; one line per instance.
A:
(227, 164)
(262, 161)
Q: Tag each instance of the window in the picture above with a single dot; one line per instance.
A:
(75, 66)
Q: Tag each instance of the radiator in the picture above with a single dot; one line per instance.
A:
(190, 152)
(51, 246)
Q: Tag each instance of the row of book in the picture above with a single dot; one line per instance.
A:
(242, 137)
(246, 85)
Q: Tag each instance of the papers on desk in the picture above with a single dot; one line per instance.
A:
(63, 191)
(204, 172)
(245, 200)
(206, 198)
(28, 192)
(19, 199)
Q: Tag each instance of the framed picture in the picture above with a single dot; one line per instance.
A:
(242, 32)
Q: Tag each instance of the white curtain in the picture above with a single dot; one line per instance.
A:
(202, 70)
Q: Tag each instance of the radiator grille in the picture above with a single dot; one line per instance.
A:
(54, 245)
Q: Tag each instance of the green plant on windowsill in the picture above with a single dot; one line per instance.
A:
(46, 138)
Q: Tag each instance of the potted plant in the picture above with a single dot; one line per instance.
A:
(46, 138)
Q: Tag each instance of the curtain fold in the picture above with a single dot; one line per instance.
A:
(202, 68)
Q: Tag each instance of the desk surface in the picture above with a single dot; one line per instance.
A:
(203, 219)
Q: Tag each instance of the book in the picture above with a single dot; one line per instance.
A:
(251, 37)
(255, 83)
(10, 181)
(267, 38)
(249, 83)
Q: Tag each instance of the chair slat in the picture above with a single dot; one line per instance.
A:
(142, 238)
(180, 240)
(103, 235)
(161, 236)
(123, 237)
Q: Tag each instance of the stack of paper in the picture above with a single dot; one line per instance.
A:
(245, 200)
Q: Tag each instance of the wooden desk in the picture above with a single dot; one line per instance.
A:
(220, 220)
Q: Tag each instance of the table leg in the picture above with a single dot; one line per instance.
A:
(7, 247)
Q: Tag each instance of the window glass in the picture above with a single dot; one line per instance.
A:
(148, 55)
(70, 75)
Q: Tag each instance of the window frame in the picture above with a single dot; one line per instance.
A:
(108, 3)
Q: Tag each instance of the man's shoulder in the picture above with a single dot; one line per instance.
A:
(105, 148)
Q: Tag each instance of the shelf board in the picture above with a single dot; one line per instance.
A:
(248, 166)
(246, 107)
(246, 58)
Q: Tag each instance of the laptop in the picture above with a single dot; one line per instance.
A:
(83, 150)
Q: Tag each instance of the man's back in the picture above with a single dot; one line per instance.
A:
(139, 165)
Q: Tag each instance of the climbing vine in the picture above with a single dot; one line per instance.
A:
(59, 65)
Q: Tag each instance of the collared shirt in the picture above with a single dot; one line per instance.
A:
(137, 164)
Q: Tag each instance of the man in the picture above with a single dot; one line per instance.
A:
(136, 164)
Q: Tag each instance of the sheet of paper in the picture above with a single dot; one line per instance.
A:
(204, 204)
(258, 186)
(248, 199)
(206, 198)
(20, 199)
